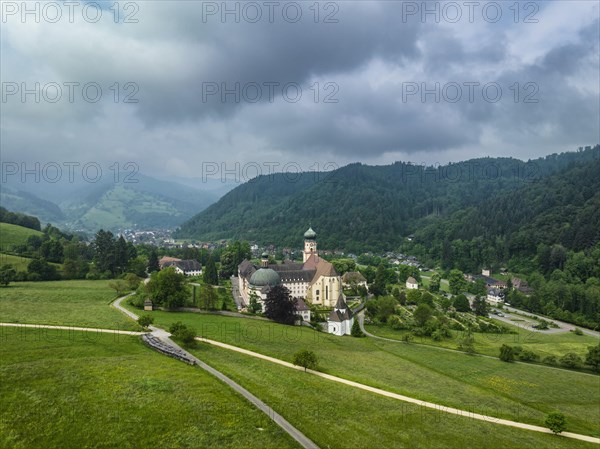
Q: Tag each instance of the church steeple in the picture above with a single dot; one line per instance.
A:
(310, 244)
(264, 260)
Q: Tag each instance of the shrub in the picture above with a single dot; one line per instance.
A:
(556, 422)
(145, 321)
(175, 327)
(187, 336)
(528, 356)
(467, 343)
(592, 358)
(507, 353)
(445, 331)
(570, 360)
(577, 331)
(396, 322)
(183, 333)
(437, 335)
(419, 331)
(550, 360)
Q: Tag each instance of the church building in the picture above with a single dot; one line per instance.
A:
(340, 319)
(315, 280)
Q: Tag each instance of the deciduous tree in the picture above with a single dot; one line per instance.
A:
(306, 359)
(280, 306)
(556, 422)
(168, 288)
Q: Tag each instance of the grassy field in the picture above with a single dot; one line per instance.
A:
(489, 344)
(70, 303)
(454, 379)
(69, 391)
(340, 417)
(11, 235)
(20, 263)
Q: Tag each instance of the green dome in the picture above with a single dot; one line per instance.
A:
(264, 255)
(310, 234)
(264, 276)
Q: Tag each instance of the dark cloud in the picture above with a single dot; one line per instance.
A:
(369, 58)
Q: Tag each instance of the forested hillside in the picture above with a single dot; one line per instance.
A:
(366, 208)
(562, 209)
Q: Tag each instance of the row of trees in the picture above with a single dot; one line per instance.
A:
(27, 221)
(569, 360)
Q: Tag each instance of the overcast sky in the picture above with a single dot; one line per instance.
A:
(334, 83)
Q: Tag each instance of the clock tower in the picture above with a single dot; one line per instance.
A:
(310, 244)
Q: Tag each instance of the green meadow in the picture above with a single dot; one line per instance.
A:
(341, 417)
(79, 390)
(20, 263)
(522, 392)
(12, 235)
(69, 303)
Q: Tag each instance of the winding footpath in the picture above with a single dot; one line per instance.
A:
(163, 335)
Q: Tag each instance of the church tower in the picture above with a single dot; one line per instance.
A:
(310, 244)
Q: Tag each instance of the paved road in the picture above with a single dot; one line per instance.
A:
(235, 291)
(438, 407)
(563, 327)
(302, 439)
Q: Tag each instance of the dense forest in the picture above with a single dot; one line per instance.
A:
(559, 211)
(547, 231)
(367, 208)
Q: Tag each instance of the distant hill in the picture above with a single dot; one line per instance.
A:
(29, 203)
(360, 207)
(148, 203)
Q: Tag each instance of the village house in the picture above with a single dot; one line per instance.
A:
(302, 310)
(186, 267)
(411, 283)
(353, 279)
(495, 296)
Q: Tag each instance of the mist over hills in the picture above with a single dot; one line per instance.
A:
(146, 203)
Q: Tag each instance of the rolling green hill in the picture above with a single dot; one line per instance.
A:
(122, 207)
(360, 207)
(12, 235)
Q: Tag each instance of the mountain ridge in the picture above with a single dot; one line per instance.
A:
(360, 207)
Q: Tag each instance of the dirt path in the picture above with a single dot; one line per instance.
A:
(70, 328)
